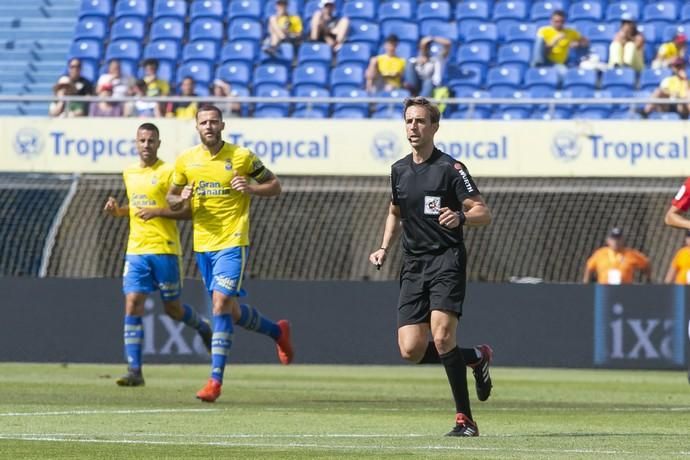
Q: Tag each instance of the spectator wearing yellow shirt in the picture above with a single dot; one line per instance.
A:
(184, 110)
(615, 263)
(553, 42)
(679, 270)
(154, 85)
(283, 27)
(385, 71)
(670, 51)
(674, 87)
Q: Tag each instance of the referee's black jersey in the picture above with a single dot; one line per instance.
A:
(421, 190)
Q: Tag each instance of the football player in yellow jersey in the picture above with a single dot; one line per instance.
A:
(385, 71)
(218, 179)
(153, 250)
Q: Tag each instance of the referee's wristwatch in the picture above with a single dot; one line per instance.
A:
(462, 217)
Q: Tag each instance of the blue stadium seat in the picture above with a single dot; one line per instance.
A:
(235, 72)
(85, 49)
(272, 92)
(600, 113)
(464, 92)
(471, 114)
(128, 27)
(209, 9)
(162, 50)
(206, 29)
(364, 31)
(629, 8)
(311, 92)
(271, 74)
(652, 34)
(311, 73)
(602, 33)
(541, 76)
(650, 78)
(671, 31)
(199, 71)
(203, 50)
(354, 52)
(132, 8)
(395, 10)
(94, 27)
(557, 113)
(243, 29)
(505, 76)
(472, 10)
(167, 29)
(585, 10)
(542, 10)
(664, 116)
(348, 75)
(467, 75)
(355, 96)
(270, 112)
(123, 50)
(510, 10)
(405, 30)
(315, 52)
(685, 13)
(240, 50)
(601, 50)
(660, 11)
(284, 55)
(511, 114)
(350, 113)
(619, 77)
(576, 78)
(515, 53)
(523, 33)
(359, 9)
(483, 33)
(439, 28)
(244, 9)
(310, 112)
(480, 52)
(102, 8)
(434, 9)
(170, 9)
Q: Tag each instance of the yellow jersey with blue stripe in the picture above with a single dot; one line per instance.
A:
(220, 214)
(147, 188)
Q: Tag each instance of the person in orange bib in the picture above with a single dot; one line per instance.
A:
(615, 263)
(679, 270)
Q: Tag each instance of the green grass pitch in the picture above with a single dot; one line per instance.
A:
(300, 411)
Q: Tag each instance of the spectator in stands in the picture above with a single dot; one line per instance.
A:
(553, 43)
(141, 108)
(82, 86)
(424, 72)
(673, 87)
(105, 107)
(62, 109)
(627, 47)
(679, 270)
(155, 86)
(283, 27)
(184, 110)
(326, 27)
(121, 84)
(670, 51)
(615, 263)
(229, 109)
(385, 71)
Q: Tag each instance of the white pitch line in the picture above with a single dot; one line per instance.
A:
(102, 412)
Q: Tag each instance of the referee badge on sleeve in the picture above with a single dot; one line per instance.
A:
(432, 205)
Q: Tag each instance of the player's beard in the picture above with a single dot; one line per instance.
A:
(210, 142)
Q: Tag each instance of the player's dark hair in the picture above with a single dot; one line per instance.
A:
(150, 127)
(434, 112)
(209, 108)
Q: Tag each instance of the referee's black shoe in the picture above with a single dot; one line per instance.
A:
(482, 379)
(464, 427)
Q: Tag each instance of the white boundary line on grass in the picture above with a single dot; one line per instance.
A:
(101, 412)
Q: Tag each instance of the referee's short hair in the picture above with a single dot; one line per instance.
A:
(434, 112)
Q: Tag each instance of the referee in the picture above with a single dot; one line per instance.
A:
(433, 195)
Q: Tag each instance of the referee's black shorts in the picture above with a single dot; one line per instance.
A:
(431, 282)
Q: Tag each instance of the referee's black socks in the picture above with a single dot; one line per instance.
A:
(469, 355)
(454, 363)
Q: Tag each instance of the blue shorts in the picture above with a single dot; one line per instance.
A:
(145, 273)
(223, 270)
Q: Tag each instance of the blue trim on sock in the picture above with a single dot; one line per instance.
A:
(220, 345)
(135, 337)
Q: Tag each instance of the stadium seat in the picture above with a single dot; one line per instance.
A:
(575, 78)
(510, 10)
(664, 116)
(515, 53)
(483, 33)
(355, 95)
(602, 33)
(506, 76)
(349, 75)
(350, 113)
(619, 77)
(85, 49)
(235, 72)
(128, 28)
(671, 31)
(541, 76)
(439, 28)
(243, 29)
(123, 50)
(206, 29)
(102, 8)
(272, 92)
(199, 71)
(315, 52)
(207, 9)
(685, 12)
(311, 92)
(364, 31)
(284, 55)
(592, 114)
(359, 9)
(435, 9)
(663, 11)
(585, 10)
(93, 27)
(132, 8)
(472, 10)
(557, 113)
(405, 30)
(240, 50)
(650, 78)
(523, 33)
(615, 11)
(162, 50)
(469, 74)
(471, 114)
(270, 74)
(311, 73)
(651, 33)
(511, 114)
(592, 95)
(354, 52)
(601, 50)
(170, 9)
(307, 112)
(395, 10)
(203, 50)
(480, 52)
(244, 9)
(270, 111)
(167, 29)
(542, 10)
